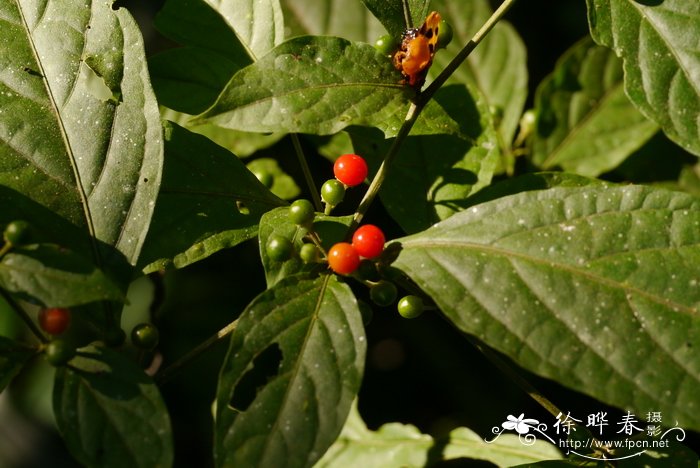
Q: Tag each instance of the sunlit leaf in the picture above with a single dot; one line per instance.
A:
(597, 287)
(585, 122)
(291, 403)
(659, 43)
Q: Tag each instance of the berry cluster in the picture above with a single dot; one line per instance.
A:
(350, 170)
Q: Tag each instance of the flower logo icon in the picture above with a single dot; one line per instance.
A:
(520, 424)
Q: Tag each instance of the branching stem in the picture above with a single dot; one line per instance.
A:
(307, 172)
(23, 315)
(416, 107)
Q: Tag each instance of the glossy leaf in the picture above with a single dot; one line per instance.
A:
(79, 126)
(189, 78)
(595, 287)
(391, 14)
(208, 201)
(434, 174)
(110, 413)
(397, 444)
(259, 24)
(497, 67)
(56, 277)
(350, 20)
(321, 85)
(13, 356)
(315, 327)
(585, 122)
(659, 43)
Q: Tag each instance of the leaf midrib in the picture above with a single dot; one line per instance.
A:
(64, 135)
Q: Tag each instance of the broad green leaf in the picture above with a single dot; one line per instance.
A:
(110, 413)
(350, 20)
(13, 356)
(595, 287)
(497, 68)
(321, 85)
(433, 175)
(208, 201)
(330, 229)
(585, 122)
(283, 184)
(190, 78)
(242, 144)
(56, 277)
(311, 333)
(259, 24)
(659, 43)
(79, 125)
(404, 445)
(391, 14)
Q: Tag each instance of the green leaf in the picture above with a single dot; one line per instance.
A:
(311, 331)
(585, 122)
(259, 24)
(321, 85)
(190, 78)
(397, 444)
(242, 144)
(110, 413)
(595, 287)
(208, 201)
(434, 174)
(497, 68)
(659, 43)
(56, 277)
(91, 157)
(350, 20)
(391, 14)
(13, 356)
(283, 184)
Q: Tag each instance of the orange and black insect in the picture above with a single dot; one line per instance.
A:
(417, 49)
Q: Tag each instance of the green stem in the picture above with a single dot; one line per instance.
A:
(23, 315)
(307, 172)
(416, 108)
(172, 369)
(379, 177)
(466, 50)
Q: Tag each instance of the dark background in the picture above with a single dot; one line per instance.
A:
(421, 371)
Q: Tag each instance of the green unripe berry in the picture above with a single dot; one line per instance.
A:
(302, 213)
(309, 253)
(383, 293)
(333, 192)
(16, 232)
(410, 306)
(59, 352)
(386, 44)
(279, 248)
(444, 34)
(145, 336)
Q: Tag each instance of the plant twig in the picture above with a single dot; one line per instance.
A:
(23, 315)
(416, 108)
(307, 172)
(172, 369)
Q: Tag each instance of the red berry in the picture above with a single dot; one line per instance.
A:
(368, 240)
(54, 321)
(343, 258)
(350, 169)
